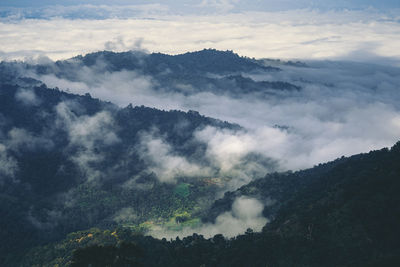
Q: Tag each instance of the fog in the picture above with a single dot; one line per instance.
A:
(348, 101)
(245, 213)
(301, 33)
(86, 134)
(165, 163)
(8, 165)
(343, 108)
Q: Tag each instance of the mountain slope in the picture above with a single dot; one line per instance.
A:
(345, 215)
(209, 70)
(207, 60)
(70, 162)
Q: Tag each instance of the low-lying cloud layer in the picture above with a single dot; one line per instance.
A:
(311, 34)
(343, 108)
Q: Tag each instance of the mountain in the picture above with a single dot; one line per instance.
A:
(70, 162)
(209, 70)
(207, 60)
(84, 181)
(342, 213)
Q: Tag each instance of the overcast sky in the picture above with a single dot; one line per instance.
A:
(239, 5)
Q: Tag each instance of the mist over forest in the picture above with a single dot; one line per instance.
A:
(206, 133)
(158, 170)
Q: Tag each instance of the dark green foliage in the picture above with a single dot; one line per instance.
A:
(186, 74)
(346, 214)
(247, 85)
(207, 60)
(273, 190)
(33, 207)
(124, 255)
(182, 190)
(343, 213)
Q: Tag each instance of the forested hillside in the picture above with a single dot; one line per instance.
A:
(86, 181)
(72, 162)
(208, 133)
(209, 70)
(343, 213)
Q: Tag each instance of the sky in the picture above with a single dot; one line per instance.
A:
(238, 5)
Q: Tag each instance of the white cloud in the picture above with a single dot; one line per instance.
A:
(118, 87)
(50, 220)
(126, 215)
(87, 130)
(164, 162)
(27, 97)
(219, 5)
(86, 134)
(15, 142)
(290, 34)
(21, 139)
(246, 213)
(343, 108)
(8, 165)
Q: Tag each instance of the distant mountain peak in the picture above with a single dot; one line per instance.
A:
(206, 60)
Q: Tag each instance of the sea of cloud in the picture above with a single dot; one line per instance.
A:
(312, 34)
(343, 107)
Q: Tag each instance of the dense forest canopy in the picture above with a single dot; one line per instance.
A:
(342, 213)
(82, 177)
